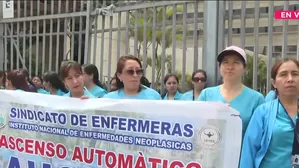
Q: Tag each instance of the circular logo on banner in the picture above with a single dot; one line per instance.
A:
(209, 136)
(2, 118)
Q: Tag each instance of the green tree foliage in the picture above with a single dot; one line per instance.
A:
(139, 15)
(261, 73)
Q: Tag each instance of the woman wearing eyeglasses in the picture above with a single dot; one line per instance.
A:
(127, 81)
(171, 82)
(198, 83)
(232, 64)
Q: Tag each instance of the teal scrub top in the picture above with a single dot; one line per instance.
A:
(86, 93)
(42, 91)
(270, 96)
(98, 92)
(177, 96)
(245, 103)
(145, 94)
(281, 145)
(189, 96)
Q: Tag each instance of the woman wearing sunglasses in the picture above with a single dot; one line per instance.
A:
(198, 83)
(232, 63)
(127, 81)
(171, 82)
(72, 74)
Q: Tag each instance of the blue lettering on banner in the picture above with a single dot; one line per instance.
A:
(142, 126)
(32, 115)
(15, 163)
(165, 144)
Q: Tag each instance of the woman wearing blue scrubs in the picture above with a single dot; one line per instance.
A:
(72, 74)
(199, 78)
(232, 63)
(269, 138)
(128, 74)
(53, 84)
(16, 80)
(171, 82)
(38, 83)
(91, 81)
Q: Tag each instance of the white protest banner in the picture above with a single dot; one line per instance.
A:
(51, 132)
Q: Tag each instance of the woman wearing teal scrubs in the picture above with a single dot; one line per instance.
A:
(38, 83)
(199, 78)
(72, 74)
(269, 139)
(16, 80)
(91, 80)
(171, 82)
(127, 77)
(54, 84)
(232, 63)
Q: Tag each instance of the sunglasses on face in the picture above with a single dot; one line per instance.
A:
(131, 72)
(196, 79)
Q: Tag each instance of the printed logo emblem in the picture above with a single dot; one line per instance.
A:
(209, 136)
(2, 118)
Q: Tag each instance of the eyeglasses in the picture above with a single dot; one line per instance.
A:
(196, 79)
(131, 72)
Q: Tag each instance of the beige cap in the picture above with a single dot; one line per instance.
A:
(232, 50)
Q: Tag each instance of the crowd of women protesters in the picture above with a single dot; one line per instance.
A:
(270, 125)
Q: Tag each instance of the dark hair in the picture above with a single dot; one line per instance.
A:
(18, 80)
(119, 68)
(144, 81)
(199, 71)
(55, 81)
(165, 81)
(276, 67)
(112, 89)
(3, 75)
(67, 65)
(31, 84)
(91, 69)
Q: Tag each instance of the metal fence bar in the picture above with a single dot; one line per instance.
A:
(5, 46)
(163, 54)
(95, 41)
(154, 47)
(118, 34)
(11, 46)
(44, 39)
(243, 24)
(30, 41)
(184, 45)
(284, 32)
(127, 33)
(174, 33)
(195, 37)
(37, 56)
(256, 44)
(24, 33)
(102, 48)
(51, 38)
(73, 31)
(230, 23)
(18, 35)
(80, 32)
(270, 44)
(144, 55)
(136, 49)
(110, 48)
(87, 47)
(65, 35)
(58, 39)
(210, 38)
